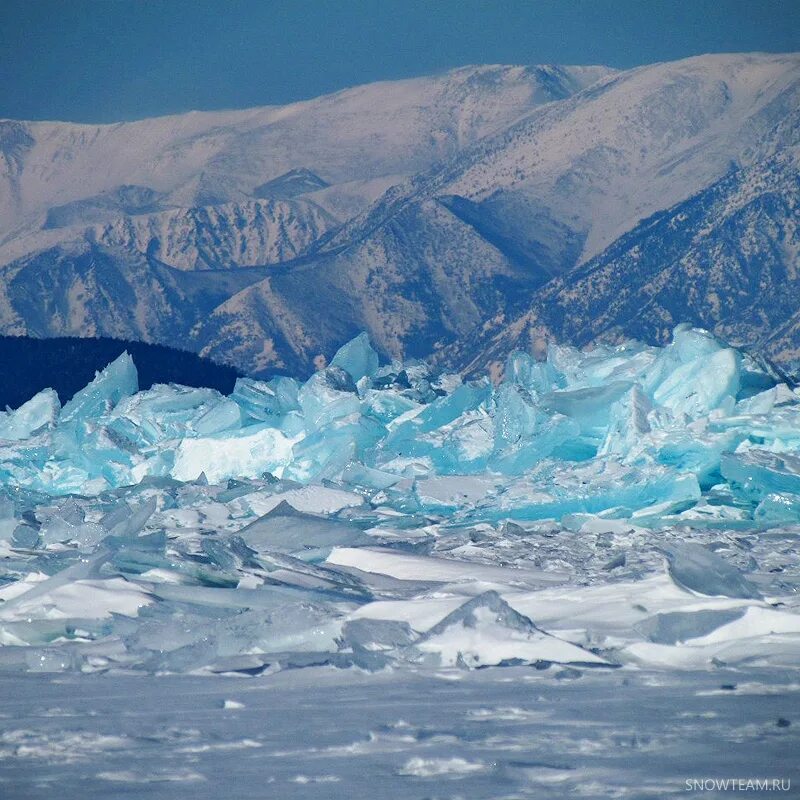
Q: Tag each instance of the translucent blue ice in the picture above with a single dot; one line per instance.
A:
(182, 530)
(357, 358)
(40, 412)
(620, 427)
(119, 379)
(327, 396)
(266, 400)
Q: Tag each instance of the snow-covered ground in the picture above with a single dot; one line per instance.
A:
(323, 733)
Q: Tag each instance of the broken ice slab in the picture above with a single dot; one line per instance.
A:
(41, 411)
(357, 358)
(461, 447)
(768, 400)
(411, 567)
(698, 570)
(677, 626)
(25, 536)
(277, 569)
(247, 452)
(537, 377)
(170, 412)
(777, 509)
(704, 514)
(389, 407)
(554, 489)
(294, 627)
(759, 472)
(304, 536)
(328, 395)
(224, 416)
(132, 556)
(375, 642)
(453, 492)
(699, 386)
(239, 641)
(447, 409)
(327, 451)
(454, 435)
(8, 519)
(84, 535)
(366, 478)
(694, 374)
(574, 368)
(767, 636)
(691, 451)
(266, 400)
(119, 379)
(523, 433)
(124, 521)
(517, 416)
(627, 423)
(313, 499)
(589, 407)
(47, 631)
(76, 596)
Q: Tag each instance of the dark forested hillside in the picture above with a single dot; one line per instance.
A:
(67, 364)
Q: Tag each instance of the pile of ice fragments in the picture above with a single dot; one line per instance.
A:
(625, 506)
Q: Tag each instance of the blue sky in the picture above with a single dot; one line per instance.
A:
(106, 60)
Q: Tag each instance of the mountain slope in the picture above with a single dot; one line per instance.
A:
(207, 158)
(224, 236)
(413, 293)
(727, 259)
(537, 197)
(87, 289)
(499, 188)
(639, 142)
(635, 143)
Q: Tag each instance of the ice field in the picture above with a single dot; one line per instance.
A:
(613, 532)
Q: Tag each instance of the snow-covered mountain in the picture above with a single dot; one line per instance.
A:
(565, 181)
(636, 143)
(222, 237)
(456, 215)
(206, 158)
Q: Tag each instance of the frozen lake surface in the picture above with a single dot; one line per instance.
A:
(320, 732)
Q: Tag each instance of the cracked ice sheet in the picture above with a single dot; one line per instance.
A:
(309, 499)
(565, 518)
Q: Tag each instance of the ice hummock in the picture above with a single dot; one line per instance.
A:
(392, 517)
(486, 631)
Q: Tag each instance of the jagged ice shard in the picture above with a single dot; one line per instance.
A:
(625, 506)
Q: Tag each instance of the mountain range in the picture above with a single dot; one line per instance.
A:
(453, 217)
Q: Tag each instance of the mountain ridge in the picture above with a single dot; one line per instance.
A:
(429, 226)
(702, 272)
